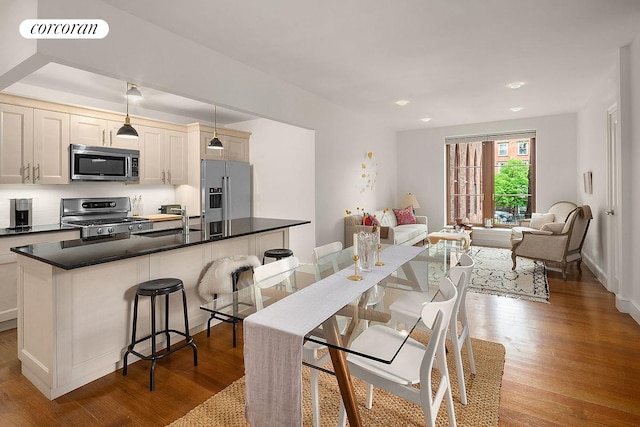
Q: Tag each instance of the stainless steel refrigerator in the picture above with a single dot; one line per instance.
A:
(226, 190)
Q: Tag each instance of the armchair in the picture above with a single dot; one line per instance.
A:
(559, 247)
(554, 219)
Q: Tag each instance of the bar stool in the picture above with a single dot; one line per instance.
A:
(278, 254)
(154, 288)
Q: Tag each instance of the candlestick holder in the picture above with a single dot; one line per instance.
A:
(379, 263)
(355, 276)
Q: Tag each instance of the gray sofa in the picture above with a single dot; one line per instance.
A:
(407, 234)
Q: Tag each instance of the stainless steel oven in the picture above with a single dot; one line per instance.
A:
(88, 163)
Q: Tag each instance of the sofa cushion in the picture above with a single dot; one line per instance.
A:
(540, 219)
(405, 216)
(370, 220)
(386, 219)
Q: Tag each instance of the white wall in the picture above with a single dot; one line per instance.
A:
(421, 165)
(631, 189)
(592, 156)
(46, 198)
(288, 189)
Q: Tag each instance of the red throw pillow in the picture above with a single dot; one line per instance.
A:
(370, 220)
(405, 216)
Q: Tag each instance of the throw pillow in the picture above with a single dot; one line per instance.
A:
(370, 220)
(540, 219)
(405, 216)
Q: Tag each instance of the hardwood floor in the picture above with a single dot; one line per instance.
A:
(573, 362)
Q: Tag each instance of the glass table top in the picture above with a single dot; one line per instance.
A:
(417, 278)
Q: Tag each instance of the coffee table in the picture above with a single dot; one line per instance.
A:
(462, 238)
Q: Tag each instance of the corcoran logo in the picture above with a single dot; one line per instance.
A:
(64, 29)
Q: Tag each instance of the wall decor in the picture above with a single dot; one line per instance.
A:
(588, 182)
(368, 172)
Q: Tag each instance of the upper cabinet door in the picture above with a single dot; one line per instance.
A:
(16, 144)
(88, 130)
(176, 157)
(152, 155)
(50, 147)
(236, 148)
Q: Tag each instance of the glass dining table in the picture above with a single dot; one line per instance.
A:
(405, 269)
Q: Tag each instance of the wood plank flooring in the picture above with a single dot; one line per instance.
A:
(573, 362)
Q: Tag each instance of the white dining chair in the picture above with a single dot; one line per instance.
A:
(414, 362)
(406, 308)
(326, 258)
(281, 272)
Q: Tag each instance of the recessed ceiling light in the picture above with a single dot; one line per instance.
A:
(515, 109)
(515, 85)
(402, 102)
(426, 119)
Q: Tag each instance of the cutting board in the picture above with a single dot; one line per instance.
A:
(161, 217)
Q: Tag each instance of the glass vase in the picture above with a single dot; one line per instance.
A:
(367, 245)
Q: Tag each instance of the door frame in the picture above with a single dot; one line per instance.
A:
(613, 229)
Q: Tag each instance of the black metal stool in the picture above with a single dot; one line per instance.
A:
(153, 288)
(277, 254)
(235, 276)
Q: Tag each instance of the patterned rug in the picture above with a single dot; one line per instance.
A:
(226, 409)
(493, 275)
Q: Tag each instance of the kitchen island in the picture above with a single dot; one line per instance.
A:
(75, 297)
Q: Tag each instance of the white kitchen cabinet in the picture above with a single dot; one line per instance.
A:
(163, 156)
(95, 131)
(235, 143)
(16, 144)
(50, 147)
(33, 146)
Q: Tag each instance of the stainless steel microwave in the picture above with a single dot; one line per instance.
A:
(88, 163)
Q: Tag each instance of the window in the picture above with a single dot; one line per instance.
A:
(481, 183)
(523, 148)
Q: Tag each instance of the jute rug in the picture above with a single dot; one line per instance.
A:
(226, 409)
(493, 275)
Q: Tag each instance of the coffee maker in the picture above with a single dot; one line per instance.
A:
(20, 215)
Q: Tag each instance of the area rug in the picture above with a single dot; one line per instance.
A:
(493, 275)
(226, 409)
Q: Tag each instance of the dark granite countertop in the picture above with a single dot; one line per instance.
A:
(48, 228)
(79, 253)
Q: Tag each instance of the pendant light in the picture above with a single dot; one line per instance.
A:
(127, 131)
(215, 143)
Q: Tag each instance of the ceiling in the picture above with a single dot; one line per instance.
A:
(451, 59)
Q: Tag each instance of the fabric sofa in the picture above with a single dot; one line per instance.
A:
(405, 234)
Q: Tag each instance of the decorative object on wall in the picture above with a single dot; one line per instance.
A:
(127, 131)
(588, 182)
(215, 143)
(368, 173)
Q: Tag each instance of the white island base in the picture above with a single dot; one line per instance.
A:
(75, 325)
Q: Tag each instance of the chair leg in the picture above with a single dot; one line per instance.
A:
(152, 383)
(457, 355)
(187, 334)
(133, 334)
(315, 398)
(513, 258)
(369, 400)
(166, 322)
(342, 416)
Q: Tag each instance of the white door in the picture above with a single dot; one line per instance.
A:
(612, 223)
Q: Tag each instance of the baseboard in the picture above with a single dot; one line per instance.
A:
(627, 306)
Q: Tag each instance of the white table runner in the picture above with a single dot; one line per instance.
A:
(273, 339)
